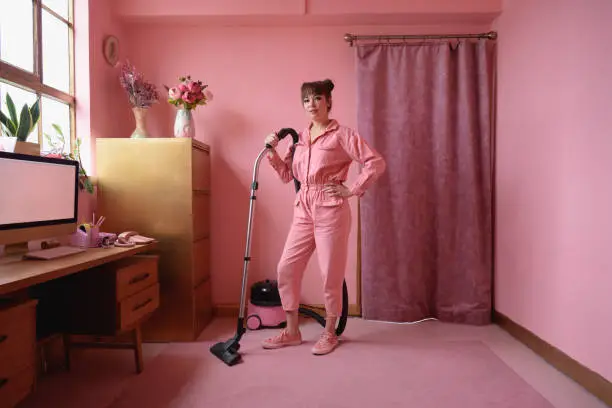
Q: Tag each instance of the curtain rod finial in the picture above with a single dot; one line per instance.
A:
(349, 38)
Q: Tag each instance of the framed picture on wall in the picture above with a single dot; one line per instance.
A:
(111, 50)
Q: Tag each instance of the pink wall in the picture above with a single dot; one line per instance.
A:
(102, 107)
(255, 74)
(107, 96)
(553, 202)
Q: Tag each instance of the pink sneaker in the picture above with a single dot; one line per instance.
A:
(282, 340)
(326, 344)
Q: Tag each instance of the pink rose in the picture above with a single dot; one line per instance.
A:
(182, 88)
(174, 93)
(194, 87)
(189, 97)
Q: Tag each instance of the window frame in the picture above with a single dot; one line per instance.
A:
(34, 81)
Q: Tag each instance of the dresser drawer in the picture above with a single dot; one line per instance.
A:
(201, 261)
(136, 274)
(201, 169)
(17, 337)
(201, 216)
(15, 388)
(137, 306)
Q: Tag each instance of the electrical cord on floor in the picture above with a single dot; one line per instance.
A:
(408, 323)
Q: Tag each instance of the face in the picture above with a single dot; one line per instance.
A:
(316, 107)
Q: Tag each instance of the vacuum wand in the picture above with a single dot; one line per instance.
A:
(228, 351)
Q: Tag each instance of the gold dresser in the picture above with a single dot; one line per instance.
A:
(160, 187)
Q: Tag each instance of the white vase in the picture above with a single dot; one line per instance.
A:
(183, 124)
(7, 144)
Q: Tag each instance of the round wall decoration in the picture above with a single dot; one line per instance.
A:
(111, 50)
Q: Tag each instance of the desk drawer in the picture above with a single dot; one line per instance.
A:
(137, 306)
(15, 388)
(138, 273)
(17, 337)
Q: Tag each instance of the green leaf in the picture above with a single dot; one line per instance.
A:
(58, 129)
(24, 124)
(11, 107)
(9, 126)
(35, 114)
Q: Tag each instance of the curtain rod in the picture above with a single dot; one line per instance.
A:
(351, 38)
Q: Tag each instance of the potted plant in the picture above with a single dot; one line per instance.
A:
(57, 143)
(20, 126)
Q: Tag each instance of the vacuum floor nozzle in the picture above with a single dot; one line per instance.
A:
(227, 351)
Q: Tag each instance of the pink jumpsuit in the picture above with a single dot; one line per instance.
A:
(320, 220)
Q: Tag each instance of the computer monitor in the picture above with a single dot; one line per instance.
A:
(38, 198)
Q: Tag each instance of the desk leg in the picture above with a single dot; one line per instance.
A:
(138, 349)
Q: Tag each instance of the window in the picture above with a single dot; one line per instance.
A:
(37, 62)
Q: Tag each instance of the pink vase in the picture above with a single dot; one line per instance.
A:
(140, 116)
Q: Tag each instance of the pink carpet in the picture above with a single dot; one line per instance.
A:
(398, 370)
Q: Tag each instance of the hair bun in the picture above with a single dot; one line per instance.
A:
(329, 84)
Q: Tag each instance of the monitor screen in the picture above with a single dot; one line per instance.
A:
(37, 191)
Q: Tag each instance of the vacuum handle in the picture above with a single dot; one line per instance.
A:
(283, 133)
(286, 131)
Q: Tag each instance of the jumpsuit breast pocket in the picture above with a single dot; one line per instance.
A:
(327, 146)
(326, 153)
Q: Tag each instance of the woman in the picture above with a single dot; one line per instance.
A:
(321, 216)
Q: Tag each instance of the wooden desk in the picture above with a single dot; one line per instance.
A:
(100, 292)
(21, 274)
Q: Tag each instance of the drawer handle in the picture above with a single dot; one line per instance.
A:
(139, 278)
(3, 338)
(3, 382)
(143, 304)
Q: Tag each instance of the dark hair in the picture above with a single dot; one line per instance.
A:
(324, 88)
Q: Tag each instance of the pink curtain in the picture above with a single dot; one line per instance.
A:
(427, 225)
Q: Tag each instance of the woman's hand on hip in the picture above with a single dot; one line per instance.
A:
(337, 190)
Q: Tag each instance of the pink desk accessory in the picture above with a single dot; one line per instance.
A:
(92, 239)
(88, 235)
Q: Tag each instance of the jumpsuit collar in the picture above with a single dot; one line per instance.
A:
(331, 126)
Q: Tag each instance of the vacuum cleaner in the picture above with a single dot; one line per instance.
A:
(265, 309)
(227, 351)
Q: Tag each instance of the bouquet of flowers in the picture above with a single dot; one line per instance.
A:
(188, 93)
(142, 94)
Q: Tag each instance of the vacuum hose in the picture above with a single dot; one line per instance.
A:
(294, 135)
